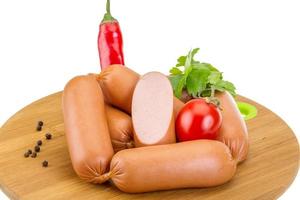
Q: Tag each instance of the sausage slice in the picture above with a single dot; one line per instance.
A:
(152, 111)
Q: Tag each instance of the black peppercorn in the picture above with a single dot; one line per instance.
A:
(26, 155)
(40, 123)
(45, 163)
(39, 142)
(29, 151)
(34, 154)
(48, 136)
(38, 128)
(37, 148)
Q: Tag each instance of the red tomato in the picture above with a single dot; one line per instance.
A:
(198, 120)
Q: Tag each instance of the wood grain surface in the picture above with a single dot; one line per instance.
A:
(271, 167)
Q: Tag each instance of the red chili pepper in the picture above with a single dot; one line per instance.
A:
(110, 42)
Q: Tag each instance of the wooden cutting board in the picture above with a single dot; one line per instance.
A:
(271, 167)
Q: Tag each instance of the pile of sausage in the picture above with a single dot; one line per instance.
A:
(106, 115)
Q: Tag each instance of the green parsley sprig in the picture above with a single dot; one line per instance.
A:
(198, 78)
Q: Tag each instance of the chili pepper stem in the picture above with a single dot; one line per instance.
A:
(107, 16)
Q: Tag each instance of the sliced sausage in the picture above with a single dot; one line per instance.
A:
(192, 164)
(120, 128)
(86, 129)
(152, 111)
(233, 131)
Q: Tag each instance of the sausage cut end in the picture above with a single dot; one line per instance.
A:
(152, 110)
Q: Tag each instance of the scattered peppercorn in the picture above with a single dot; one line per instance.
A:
(37, 148)
(38, 128)
(39, 142)
(40, 123)
(26, 155)
(29, 151)
(34, 154)
(45, 163)
(48, 136)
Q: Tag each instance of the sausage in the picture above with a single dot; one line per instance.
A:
(86, 129)
(192, 164)
(120, 128)
(178, 105)
(118, 83)
(152, 111)
(233, 131)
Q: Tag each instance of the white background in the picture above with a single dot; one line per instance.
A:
(256, 43)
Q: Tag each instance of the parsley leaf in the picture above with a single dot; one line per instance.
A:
(181, 61)
(214, 77)
(180, 86)
(177, 82)
(222, 85)
(196, 81)
(175, 71)
(199, 78)
(187, 65)
(210, 67)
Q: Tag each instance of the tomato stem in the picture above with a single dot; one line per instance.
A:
(212, 99)
(212, 93)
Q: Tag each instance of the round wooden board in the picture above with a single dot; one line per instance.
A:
(271, 167)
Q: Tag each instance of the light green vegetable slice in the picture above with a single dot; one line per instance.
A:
(247, 110)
